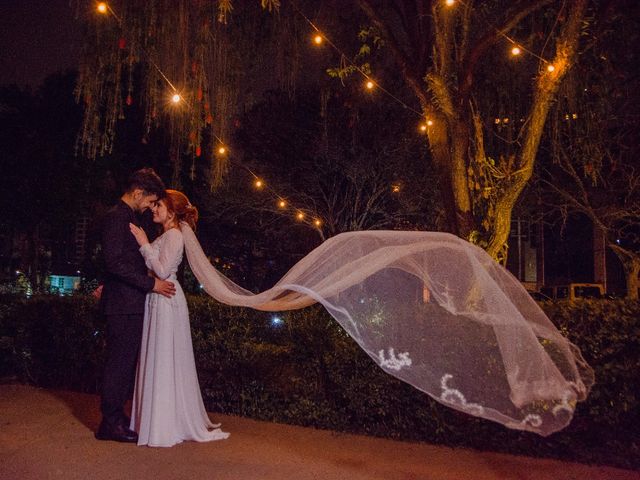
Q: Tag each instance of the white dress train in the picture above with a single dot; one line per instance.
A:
(167, 403)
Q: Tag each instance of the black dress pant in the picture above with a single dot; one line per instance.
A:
(124, 334)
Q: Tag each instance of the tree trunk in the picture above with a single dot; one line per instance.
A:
(631, 273)
(631, 265)
(546, 89)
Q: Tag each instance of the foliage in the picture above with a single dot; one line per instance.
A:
(52, 341)
(307, 371)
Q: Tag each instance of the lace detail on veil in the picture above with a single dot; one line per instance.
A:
(459, 313)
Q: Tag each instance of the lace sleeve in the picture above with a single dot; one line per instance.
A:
(163, 261)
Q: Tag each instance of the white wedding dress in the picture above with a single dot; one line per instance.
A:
(167, 403)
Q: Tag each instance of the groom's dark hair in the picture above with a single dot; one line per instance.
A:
(148, 181)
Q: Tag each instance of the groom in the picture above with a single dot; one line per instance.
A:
(122, 300)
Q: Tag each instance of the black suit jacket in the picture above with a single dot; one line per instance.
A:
(126, 281)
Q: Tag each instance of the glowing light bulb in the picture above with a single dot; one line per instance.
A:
(497, 121)
(300, 216)
(259, 184)
(450, 3)
(395, 188)
(550, 68)
(505, 120)
(176, 98)
(423, 128)
(318, 39)
(369, 85)
(516, 51)
(222, 150)
(317, 222)
(429, 123)
(282, 204)
(102, 7)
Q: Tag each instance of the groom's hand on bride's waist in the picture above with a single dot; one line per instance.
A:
(164, 288)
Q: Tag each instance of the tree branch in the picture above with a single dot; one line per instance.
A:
(513, 17)
(403, 62)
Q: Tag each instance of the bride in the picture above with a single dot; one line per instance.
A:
(167, 404)
(428, 307)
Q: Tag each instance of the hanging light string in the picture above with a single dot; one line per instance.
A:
(105, 8)
(370, 81)
(518, 48)
(301, 214)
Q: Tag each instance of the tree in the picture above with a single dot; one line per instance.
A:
(594, 166)
(452, 59)
(446, 54)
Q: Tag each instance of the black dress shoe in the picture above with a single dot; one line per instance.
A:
(117, 433)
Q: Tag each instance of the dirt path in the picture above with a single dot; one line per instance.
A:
(48, 434)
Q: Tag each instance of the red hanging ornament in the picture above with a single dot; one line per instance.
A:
(209, 119)
(129, 100)
(199, 94)
(206, 106)
(194, 67)
(122, 43)
(198, 151)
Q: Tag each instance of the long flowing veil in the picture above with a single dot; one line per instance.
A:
(436, 312)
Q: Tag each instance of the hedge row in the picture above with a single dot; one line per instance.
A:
(307, 371)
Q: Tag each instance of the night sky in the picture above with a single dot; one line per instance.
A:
(37, 38)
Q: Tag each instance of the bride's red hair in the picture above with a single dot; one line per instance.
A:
(178, 203)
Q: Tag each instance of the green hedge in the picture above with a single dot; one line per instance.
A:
(307, 371)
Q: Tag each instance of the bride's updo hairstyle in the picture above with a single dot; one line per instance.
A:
(178, 203)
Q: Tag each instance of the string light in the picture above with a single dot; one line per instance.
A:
(424, 126)
(176, 98)
(318, 39)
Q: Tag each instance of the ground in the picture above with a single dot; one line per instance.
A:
(48, 434)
